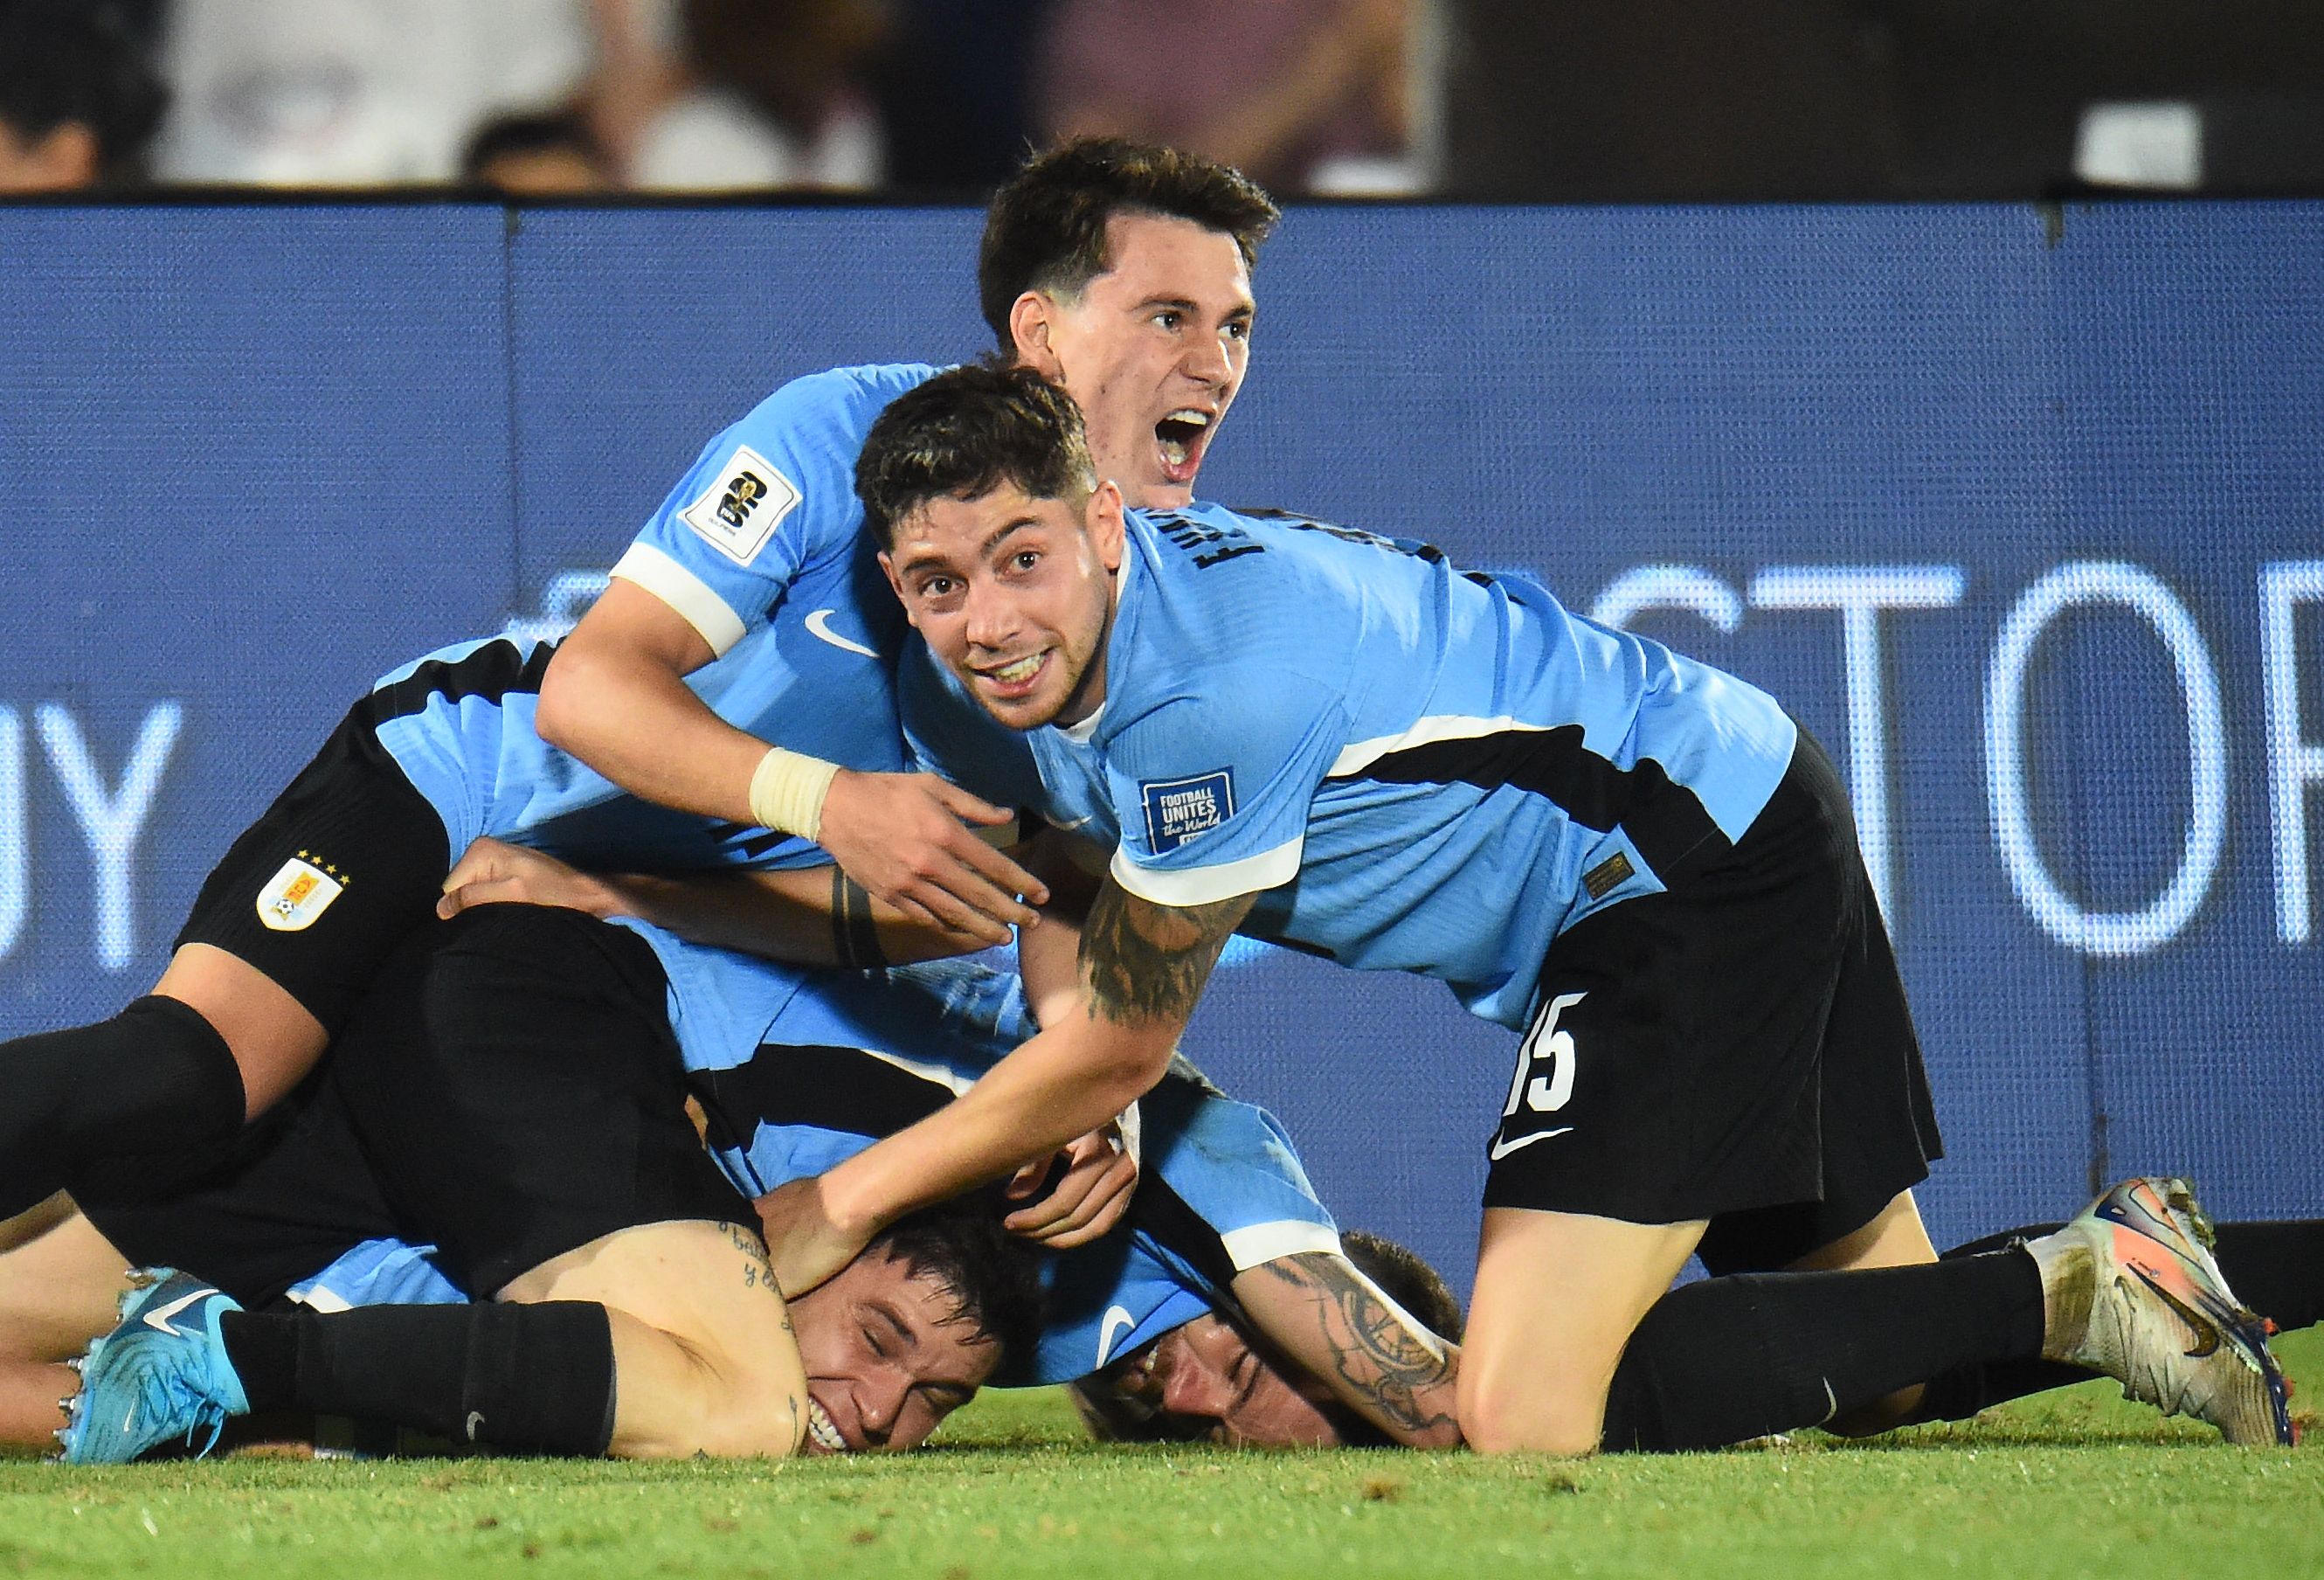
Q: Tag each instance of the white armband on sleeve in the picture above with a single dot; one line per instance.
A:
(1260, 1243)
(647, 566)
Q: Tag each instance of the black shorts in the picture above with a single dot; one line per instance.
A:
(509, 1091)
(297, 1194)
(331, 878)
(1737, 1049)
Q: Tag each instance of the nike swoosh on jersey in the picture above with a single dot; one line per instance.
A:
(1117, 1321)
(1503, 1149)
(818, 625)
(159, 1318)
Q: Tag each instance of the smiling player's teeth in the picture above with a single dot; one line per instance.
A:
(820, 1428)
(1023, 669)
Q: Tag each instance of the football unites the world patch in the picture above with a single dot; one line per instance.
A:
(741, 509)
(299, 893)
(1180, 809)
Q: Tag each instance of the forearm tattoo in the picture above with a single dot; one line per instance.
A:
(1371, 1346)
(1144, 963)
(854, 940)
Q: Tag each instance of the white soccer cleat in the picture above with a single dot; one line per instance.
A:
(2131, 1290)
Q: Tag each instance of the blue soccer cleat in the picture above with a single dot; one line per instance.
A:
(161, 1375)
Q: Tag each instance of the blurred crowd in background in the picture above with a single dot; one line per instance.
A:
(1649, 100)
(919, 97)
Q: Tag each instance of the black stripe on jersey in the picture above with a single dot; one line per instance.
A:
(848, 1090)
(811, 1084)
(1664, 821)
(1161, 1211)
(1164, 1214)
(492, 672)
(1426, 553)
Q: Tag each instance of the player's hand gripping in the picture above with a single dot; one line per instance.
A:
(490, 871)
(1088, 1189)
(806, 1244)
(904, 837)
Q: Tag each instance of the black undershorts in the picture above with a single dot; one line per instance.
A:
(1736, 1048)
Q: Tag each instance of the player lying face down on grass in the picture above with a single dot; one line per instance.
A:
(1638, 863)
(789, 1068)
(509, 1095)
(736, 678)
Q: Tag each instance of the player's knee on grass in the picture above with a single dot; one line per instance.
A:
(1567, 1419)
(1542, 1390)
(1558, 1296)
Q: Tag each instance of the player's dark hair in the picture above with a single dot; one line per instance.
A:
(66, 61)
(1045, 229)
(965, 433)
(516, 136)
(1406, 1280)
(993, 1277)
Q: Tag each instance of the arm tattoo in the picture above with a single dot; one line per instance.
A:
(1144, 963)
(1371, 1348)
(757, 1272)
(854, 940)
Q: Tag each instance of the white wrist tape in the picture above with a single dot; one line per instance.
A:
(786, 791)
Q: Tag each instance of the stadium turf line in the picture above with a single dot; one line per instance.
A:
(2074, 1484)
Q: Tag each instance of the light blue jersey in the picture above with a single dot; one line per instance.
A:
(797, 1069)
(761, 549)
(1222, 1192)
(847, 1060)
(1413, 769)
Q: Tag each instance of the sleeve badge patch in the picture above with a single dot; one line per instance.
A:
(1178, 810)
(739, 511)
(298, 894)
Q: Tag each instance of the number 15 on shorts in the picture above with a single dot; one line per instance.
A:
(1543, 1082)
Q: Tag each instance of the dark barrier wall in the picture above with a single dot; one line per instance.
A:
(2021, 512)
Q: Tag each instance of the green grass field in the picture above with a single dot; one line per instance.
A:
(2073, 1484)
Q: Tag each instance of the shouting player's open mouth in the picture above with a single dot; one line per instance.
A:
(1182, 436)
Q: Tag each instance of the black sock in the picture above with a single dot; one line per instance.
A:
(1959, 1393)
(2277, 1268)
(156, 1078)
(527, 1379)
(1724, 1359)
